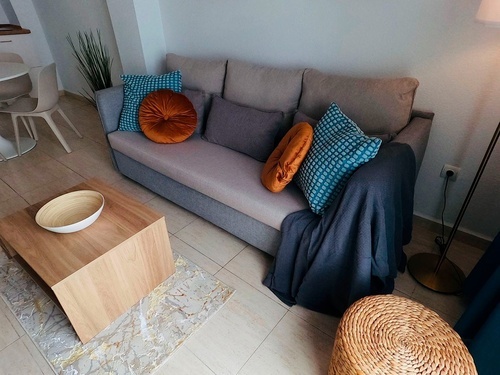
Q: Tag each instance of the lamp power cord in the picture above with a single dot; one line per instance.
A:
(441, 240)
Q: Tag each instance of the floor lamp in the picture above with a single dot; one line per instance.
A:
(434, 271)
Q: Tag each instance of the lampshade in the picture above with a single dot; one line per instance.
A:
(489, 13)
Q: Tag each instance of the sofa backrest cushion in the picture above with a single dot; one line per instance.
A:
(243, 129)
(302, 117)
(204, 75)
(264, 88)
(377, 106)
(199, 74)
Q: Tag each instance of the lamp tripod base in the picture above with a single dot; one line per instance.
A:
(449, 279)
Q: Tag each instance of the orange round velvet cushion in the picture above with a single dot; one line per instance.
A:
(287, 157)
(167, 117)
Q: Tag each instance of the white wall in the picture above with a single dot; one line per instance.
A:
(150, 24)
(7, 13)
(3, 16)
(139, 35)
(128, 39)
(456, 60)
(33, 47)
(60, 18)
(27, 17)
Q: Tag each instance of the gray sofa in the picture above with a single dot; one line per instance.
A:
(222, 185)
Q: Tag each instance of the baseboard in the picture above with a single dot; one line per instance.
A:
(465, 237)
(73, 95)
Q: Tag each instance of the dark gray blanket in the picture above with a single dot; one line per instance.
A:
(354, 250)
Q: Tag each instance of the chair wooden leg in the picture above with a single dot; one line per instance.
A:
(16, 132)
(56, 131)
(69, 121)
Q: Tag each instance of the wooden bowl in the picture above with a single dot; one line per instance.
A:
(71, 212)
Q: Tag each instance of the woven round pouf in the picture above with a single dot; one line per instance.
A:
(387, 335)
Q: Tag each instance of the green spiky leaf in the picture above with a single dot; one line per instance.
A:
(94, 62)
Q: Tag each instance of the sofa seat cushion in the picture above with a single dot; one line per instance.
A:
(377, 106)
(227, 176)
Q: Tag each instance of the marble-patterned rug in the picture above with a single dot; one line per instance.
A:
(136, 343)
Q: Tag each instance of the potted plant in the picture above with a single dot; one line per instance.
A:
(94, 62)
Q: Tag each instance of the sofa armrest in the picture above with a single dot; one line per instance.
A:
(109, 105)
(416, 135)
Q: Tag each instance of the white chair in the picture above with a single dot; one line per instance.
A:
(43, 106)
(16, 87)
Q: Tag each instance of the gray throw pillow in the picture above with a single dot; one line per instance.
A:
(196, 98)
(243, 129)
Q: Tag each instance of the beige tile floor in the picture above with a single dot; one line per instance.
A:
(254, 333)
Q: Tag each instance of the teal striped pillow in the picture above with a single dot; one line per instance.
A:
(136, 88)
(339, 147)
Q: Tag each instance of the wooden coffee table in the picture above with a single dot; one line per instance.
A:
(100, 272)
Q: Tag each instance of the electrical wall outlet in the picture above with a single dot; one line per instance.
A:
(452, 169)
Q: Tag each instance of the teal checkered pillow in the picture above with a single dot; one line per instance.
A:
(135, 89)
(339, 147)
